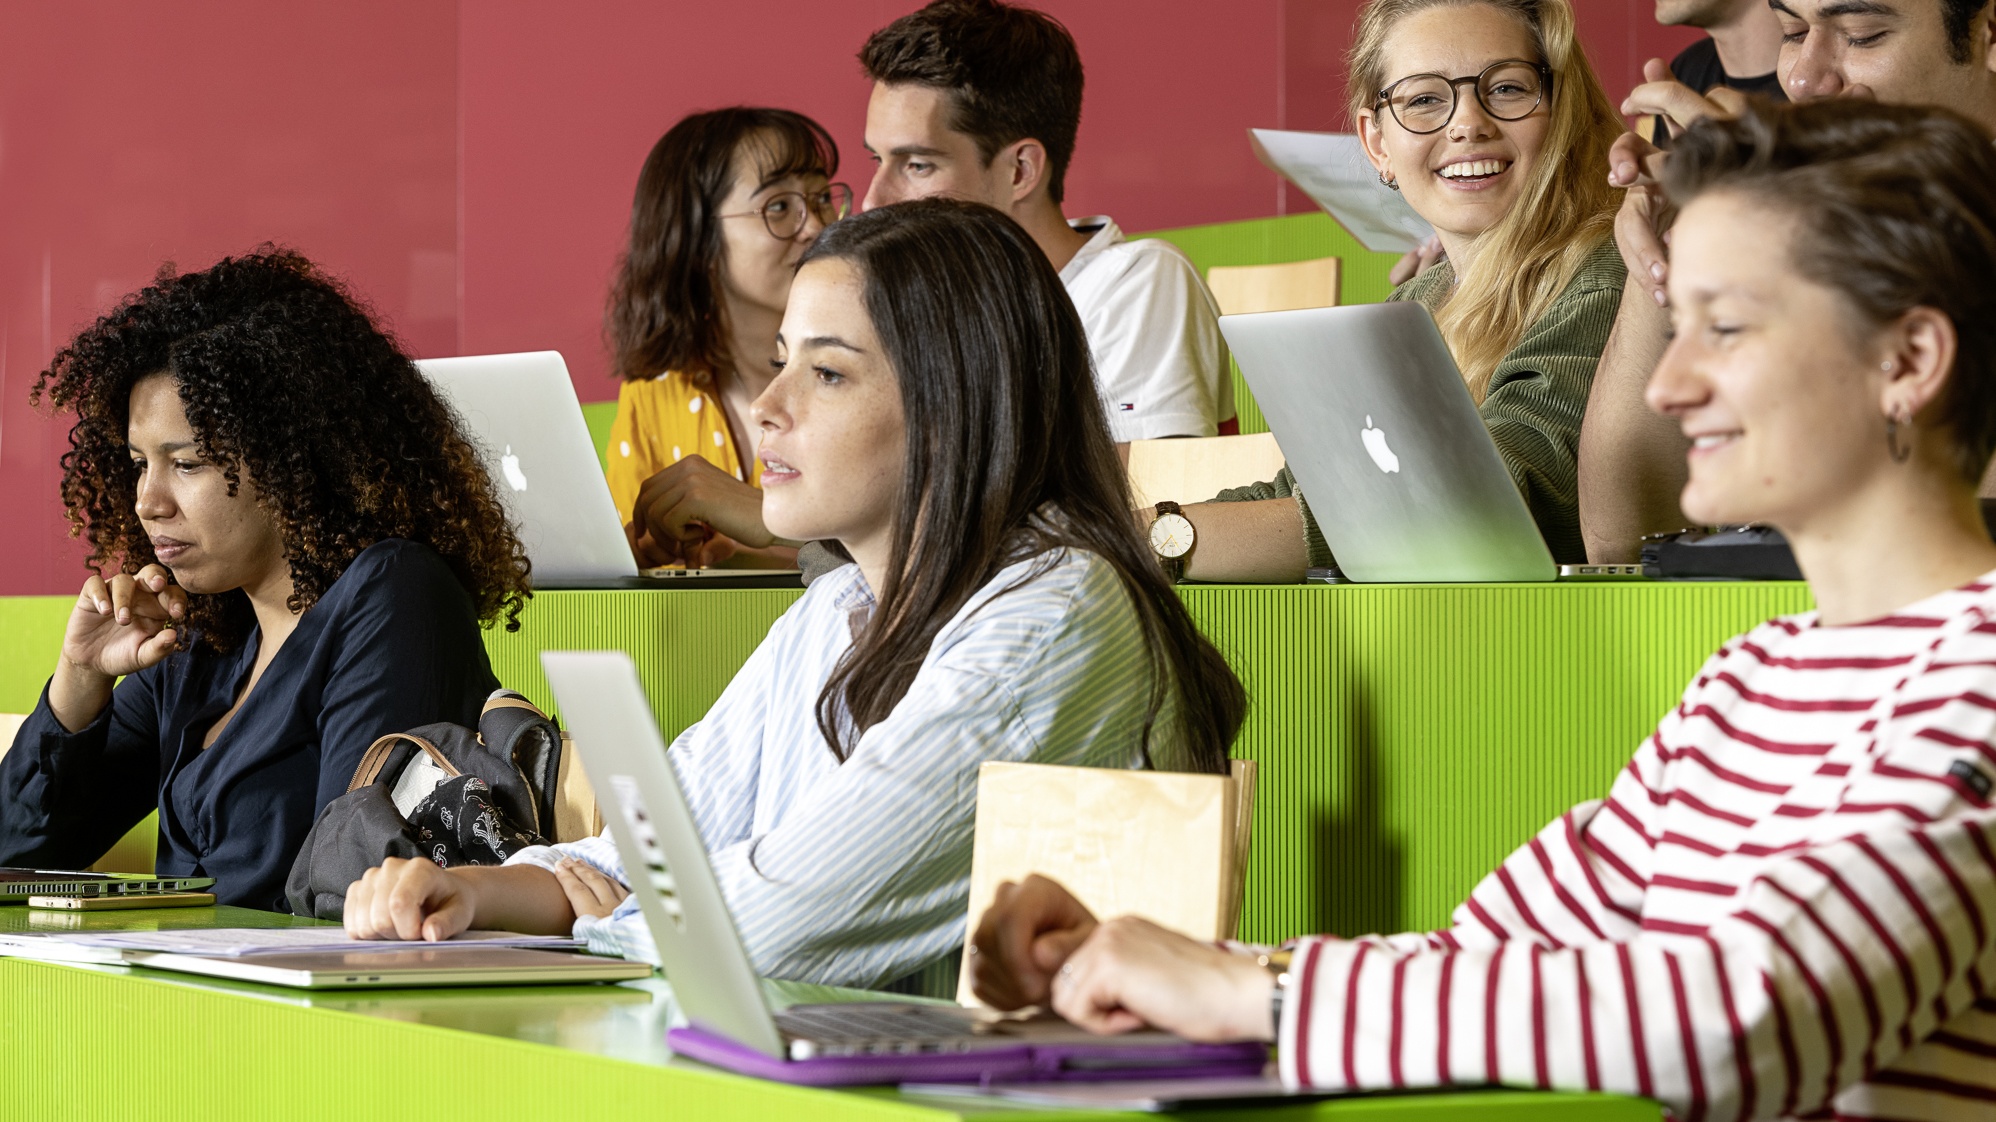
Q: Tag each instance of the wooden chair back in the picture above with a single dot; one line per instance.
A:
(1167, 846)
(1240, 289)
(1194, 469)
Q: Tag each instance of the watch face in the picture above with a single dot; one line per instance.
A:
(1171, 536)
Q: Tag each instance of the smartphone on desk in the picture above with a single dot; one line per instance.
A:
(109, 903)
(1601, 572)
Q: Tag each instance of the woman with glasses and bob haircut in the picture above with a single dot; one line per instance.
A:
(936, 420)
(1785, 907)
(1487, 117)
(725, 206)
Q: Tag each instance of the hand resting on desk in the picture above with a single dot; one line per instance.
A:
(405, 899)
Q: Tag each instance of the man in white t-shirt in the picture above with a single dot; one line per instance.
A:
(981, 100)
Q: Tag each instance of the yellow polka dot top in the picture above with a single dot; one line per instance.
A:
(661, 421)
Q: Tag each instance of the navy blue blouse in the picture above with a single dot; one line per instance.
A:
(393, 644)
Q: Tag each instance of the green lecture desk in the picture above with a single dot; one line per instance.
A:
(87, 1042)
(1408, 738)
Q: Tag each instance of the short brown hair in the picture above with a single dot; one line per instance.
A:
(1895, 208)
(1009, 73)
(665, 311)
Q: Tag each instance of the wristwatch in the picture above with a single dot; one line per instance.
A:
(1171, 538)
(1276, 963)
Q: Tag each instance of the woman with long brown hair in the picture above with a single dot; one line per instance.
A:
(725, 206)
(936, 417)
(1486, 115)
(300, 547)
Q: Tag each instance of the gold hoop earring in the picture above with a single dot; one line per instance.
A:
(1899, 453)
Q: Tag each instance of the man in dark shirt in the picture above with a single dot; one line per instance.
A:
(1743, 40)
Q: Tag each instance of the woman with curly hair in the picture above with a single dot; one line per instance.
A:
(303, 547)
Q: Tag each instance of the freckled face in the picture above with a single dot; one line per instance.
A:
(212, 541)
(834, 439)
(1766, 372)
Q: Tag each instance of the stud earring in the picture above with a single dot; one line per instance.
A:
(1888, 366)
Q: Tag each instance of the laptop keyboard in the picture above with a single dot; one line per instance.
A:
(871, 1027)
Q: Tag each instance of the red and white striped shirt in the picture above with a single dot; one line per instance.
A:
(1786, 906)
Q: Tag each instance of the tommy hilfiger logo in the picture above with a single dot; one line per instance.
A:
(1972, 776)
(1126, 406)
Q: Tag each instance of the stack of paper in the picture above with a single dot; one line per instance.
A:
(239, 942)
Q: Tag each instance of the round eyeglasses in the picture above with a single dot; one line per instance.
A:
(784, 212)
(1509, 91)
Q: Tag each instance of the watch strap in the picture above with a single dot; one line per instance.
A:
(1277, 964)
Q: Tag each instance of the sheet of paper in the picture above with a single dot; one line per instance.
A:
(1331, 168)
(50, 949)
(235, 942)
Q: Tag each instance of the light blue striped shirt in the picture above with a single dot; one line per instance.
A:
(858, 874)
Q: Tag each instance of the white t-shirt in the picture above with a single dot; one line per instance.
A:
(1154, 332)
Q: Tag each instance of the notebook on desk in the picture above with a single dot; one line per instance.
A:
(732, 1023)
(322, 957)
(522, 413)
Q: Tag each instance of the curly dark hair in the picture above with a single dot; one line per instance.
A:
(284, 374)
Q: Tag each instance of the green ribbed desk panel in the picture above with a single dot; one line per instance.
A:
(1409, 737)
(687, 643)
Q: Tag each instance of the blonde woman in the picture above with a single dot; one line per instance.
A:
(1486, 115)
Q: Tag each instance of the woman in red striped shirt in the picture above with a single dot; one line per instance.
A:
(1786, 904)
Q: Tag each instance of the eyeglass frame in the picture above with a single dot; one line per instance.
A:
(762, 212)
(1382, 100)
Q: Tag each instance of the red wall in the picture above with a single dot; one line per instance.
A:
(468, 165)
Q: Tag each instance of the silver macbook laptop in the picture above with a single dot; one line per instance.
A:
(1382, 435)
(522, 412)
(701, 952)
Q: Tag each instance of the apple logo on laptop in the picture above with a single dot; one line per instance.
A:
(509, 466)
(1375, 445)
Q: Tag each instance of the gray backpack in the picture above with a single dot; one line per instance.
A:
(442, 793)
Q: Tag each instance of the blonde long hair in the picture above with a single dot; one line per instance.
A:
(1524, 261)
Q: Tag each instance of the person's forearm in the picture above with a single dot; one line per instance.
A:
(77, 695)
(1631, 460)
(523, 898)
(780, 556)
(1252, 542)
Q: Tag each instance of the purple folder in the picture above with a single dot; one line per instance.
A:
(1024, 1062)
